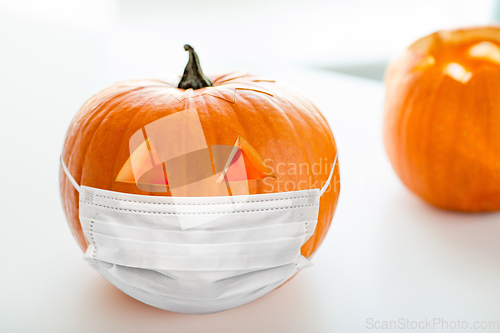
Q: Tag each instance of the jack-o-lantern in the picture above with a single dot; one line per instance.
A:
(232, 135)
(442, 118)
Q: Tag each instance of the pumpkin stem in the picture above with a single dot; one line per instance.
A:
(193, 76)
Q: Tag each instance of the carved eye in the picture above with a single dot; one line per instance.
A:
(485, 51)
(144, 167)
(426, 62)
(457, 72)
(460, 61)
(243, 163)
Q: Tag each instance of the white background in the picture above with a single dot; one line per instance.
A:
(387, 256)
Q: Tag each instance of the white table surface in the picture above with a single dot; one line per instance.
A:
(388, 255)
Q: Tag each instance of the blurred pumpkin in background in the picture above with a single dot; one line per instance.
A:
(442, 118)
(272, 126)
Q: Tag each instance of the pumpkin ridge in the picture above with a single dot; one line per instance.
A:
(401, 122)
(264, 120)
(137, 115)
(431, 121)
(67, 151)
(73, 138)
(455, 138)
(314, 241)
(78, 135)
(304, 154)
(489, 133)
(107, 114)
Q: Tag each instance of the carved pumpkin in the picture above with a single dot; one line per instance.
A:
(270, 126)
(442, 118)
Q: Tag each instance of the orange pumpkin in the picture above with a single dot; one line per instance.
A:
(276, 129)
(442, 118)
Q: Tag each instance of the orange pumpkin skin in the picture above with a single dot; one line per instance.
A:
(442, 118)
(283, 127)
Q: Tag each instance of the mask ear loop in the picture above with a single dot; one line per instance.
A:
(68, 174)
(329, 177)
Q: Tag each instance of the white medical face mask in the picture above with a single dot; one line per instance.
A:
(197, 254)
